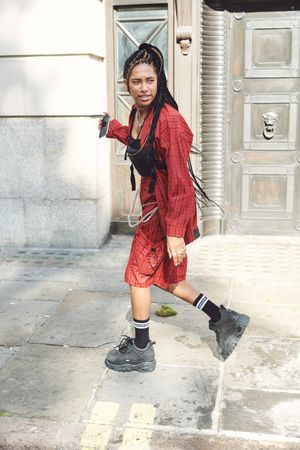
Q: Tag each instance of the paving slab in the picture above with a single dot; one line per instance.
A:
(181, 397)
(192, 400)
(109, 280)
(70, 260)
(104, 280)
(50, 382)
(278, 293)
(55, 274)
(264, 257)
(187, 334)
(108, 260)
(113, 255)
(172, 440)
(269, 321)
(18, 433)
(259, 411)
(6, 353)
(19, 319)
(29, 290)
(7, 273)
(85, 319)
(264, 363)
(48, 257)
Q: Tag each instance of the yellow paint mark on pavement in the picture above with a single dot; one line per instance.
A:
(142, 413)
(96, 435)
(137, 438)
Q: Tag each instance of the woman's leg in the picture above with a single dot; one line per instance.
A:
(140, 306)
(138, 353)
(140, 302)
(185, 291)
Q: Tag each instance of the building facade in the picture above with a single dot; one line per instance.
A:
(55, 176)
(233, 67)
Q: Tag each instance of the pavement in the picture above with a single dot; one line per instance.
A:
(61, 310)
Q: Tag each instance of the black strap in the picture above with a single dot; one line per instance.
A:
(132, 178)
(158, 165)
(152, 181)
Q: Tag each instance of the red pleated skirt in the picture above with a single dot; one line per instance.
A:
(149, 262)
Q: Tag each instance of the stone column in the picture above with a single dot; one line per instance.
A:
(212, 111)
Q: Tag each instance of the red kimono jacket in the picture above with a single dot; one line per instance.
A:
(174, 190)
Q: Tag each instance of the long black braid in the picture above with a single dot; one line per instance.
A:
(149, 54)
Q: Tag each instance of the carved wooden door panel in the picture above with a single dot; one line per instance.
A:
(263, 157)
(132, 26)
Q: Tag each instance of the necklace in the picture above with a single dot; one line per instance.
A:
(138, 120)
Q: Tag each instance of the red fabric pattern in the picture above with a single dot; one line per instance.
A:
(149, 261)
(175, 197)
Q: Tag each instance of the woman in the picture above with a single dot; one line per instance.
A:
(158, 143)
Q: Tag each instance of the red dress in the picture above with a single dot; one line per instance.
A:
(149, 261)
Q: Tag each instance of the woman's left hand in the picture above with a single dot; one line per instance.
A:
(176, 249)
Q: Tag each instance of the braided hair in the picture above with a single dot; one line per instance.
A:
(149, 54)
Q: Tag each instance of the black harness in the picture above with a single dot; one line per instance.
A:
(144, 161)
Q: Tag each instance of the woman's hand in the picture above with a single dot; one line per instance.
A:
(176, 249)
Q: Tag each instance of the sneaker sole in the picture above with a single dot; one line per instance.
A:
(241, 323)
(142, 367)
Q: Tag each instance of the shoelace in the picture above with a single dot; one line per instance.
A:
(123, 346)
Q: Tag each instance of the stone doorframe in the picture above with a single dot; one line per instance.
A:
(212, 112)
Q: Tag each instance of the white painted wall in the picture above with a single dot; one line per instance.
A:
(54, 171)
(52, 26)
(51, 85)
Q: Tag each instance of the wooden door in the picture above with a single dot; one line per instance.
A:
(132, 26)
(263, 157)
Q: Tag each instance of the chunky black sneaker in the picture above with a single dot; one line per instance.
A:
(126, 357)
(229, 330)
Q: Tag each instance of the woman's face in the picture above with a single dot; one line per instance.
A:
(142, 84)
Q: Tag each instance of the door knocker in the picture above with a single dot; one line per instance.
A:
(269, 121)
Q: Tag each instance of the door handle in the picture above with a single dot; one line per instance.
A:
(269, 123)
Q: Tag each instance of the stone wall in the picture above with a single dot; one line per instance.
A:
(54, 171)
